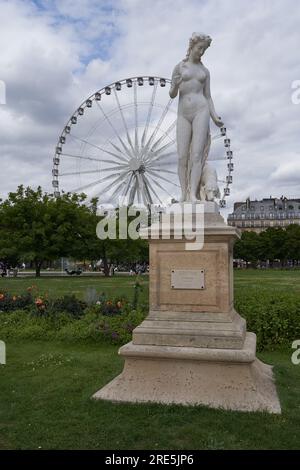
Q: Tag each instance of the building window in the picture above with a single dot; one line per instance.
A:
(291, 207)
(271, 207)
(262, 208)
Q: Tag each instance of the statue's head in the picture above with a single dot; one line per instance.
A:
(198, 44)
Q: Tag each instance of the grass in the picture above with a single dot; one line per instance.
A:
(59, 286)
(282, 280)
(45, 403)
(45, 390)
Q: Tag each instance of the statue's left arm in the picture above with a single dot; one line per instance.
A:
(213, 114)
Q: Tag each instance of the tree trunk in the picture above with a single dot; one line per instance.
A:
(106, 267)
(38, 265)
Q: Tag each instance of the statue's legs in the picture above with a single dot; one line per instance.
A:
(184, 135)
(200, 128)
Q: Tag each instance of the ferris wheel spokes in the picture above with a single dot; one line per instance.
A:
(124, 122)
(162, 138)
(136, 118)
(130, 147)
(101, 180)
(100, 148)
(114, 130)
(149, 115)
(153, 135)
(147, 182)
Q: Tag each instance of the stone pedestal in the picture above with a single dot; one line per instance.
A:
(193, 347)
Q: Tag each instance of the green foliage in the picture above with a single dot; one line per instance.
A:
(269, 300)
(91, 326)
(138, 287)
(37, 227)
(110, 251)
(274, 316)
(9, 302)
(110, 307)
(69, 318)
(27, 325)
(271, 244)
(248, 247)
(68, 304)
(118, 329)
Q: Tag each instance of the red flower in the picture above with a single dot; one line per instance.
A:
(39, 302)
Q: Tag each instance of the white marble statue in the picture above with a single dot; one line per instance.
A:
(198, 180)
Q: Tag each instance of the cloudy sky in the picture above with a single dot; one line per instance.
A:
(55, 53)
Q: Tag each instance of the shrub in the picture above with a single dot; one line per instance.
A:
(118, 329)
(10, 303)
(92, 325)
(67, 304)
(273, 316)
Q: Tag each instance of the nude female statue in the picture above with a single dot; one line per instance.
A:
(195, 108)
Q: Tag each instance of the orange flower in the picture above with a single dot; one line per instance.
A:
(1, 296)
(39, 302)
(14, 298)
(109, 302)
(29, 289)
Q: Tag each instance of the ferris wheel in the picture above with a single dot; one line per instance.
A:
(120, 146)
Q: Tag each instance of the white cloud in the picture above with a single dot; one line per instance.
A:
(288, 172)
(55, 56)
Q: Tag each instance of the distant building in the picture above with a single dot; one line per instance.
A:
(270, 212)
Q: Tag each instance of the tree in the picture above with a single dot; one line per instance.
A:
(37, 227)
(273, 243)
(292, 243)
(248, 247)
(110, 251)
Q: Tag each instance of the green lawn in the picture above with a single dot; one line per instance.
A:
(58, 286)
(282, 280)
(45, 390)
(45, 403)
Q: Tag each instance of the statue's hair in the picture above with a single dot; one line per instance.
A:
(197, 37)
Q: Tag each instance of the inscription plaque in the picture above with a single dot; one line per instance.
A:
(187, 279)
